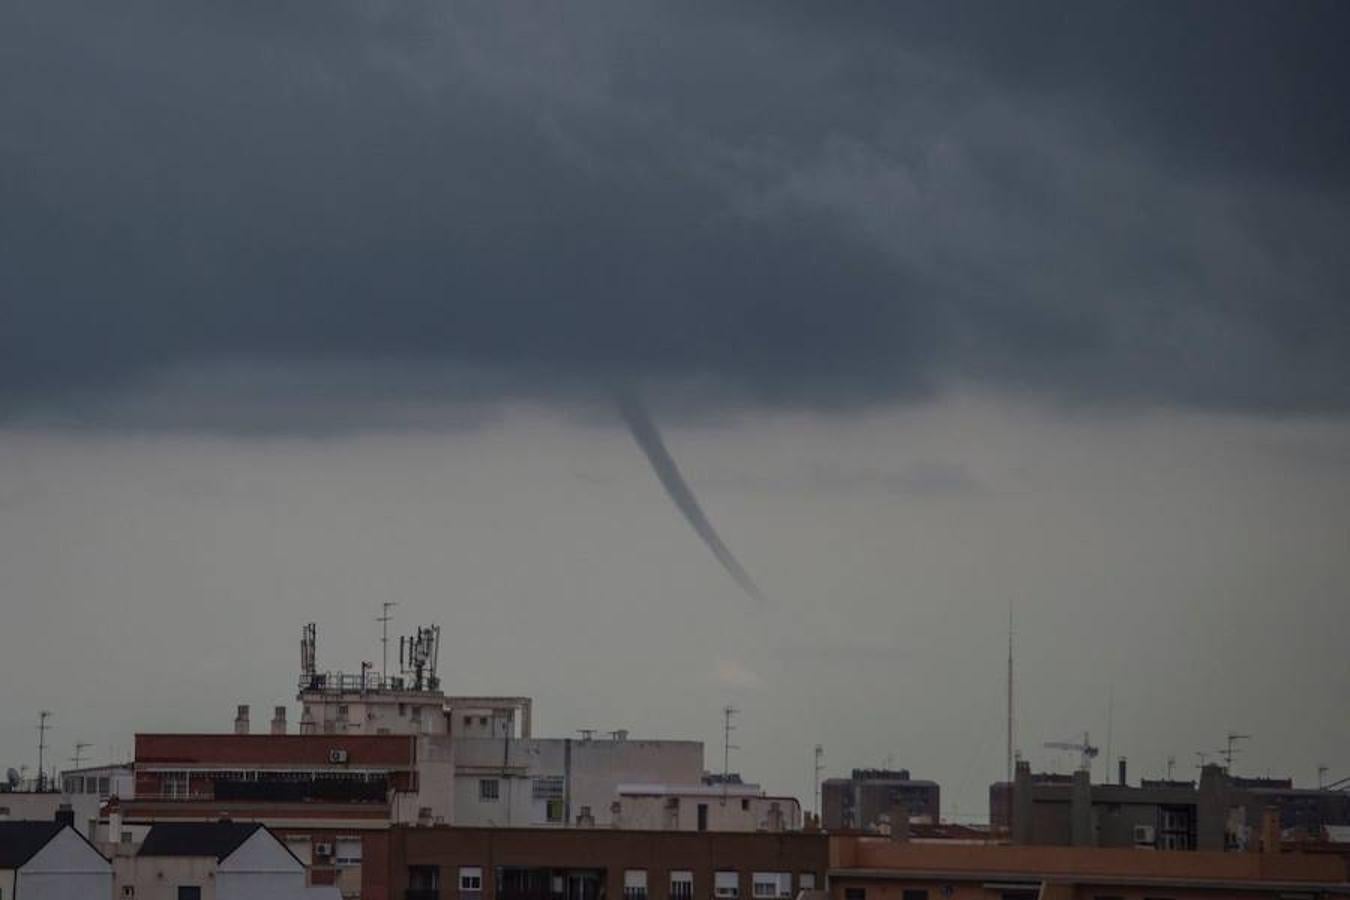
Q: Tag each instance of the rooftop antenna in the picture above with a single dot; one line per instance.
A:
(1203, 757)
(820, 767)
(1171, 764)
(1322, 777)
(43, 728)
(80, 747)
(1230, 750)
(383, 618)
(1008, 759)
(728, 712)
(1086, 751)
(309, 642)
(1110, 717)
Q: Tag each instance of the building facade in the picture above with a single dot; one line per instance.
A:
(869, 868)
(869, 798)
(590, 864)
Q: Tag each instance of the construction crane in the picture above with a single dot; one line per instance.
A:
(1087, 753)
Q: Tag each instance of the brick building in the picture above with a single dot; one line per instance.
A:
(590, 864)
(869, 868)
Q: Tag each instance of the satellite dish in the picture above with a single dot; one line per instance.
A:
(12, 776)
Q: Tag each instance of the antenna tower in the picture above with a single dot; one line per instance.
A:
(43, 728)
(1008, 760)
(728, 713)
(80, 747)
(383, 618)
(820, 765)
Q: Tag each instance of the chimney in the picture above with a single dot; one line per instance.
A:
(65, 815)
(241, 719)
(279, 720)
(1122, 772)
(1270, 830)
(899, 823)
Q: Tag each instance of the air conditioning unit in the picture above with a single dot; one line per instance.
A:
(1143, 834)
(337, 756)
(323, 849)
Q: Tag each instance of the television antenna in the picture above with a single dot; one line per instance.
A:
(820, 766)
(383, 618)
(80, 747)
(1230, 749)
(728, 713)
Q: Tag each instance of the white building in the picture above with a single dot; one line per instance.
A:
(43, 807)
(560, 781)
(214, 861)
(50, 861)
(505, 776)
(116, 780)
(705, 807)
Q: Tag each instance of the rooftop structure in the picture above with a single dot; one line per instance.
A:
(870, 798)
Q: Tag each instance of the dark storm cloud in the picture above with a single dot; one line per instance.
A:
(795, 204)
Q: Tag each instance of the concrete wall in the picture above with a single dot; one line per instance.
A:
(652, 812)
(260, 869)
(7, 882)
(406, 712)
(42, 808)
(68, 868)
(158, 877)
(591, 771)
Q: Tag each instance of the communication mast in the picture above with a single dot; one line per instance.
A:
(43, 728)
(417, 657)
(820, 756)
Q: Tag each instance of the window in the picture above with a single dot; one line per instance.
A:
(189, 892)
(104, 785)
(855, 893)
(554, 812)
(128, 890)
(703, 817)
(914, 895)
(681, 885)
(470, 882)
(487, 789)
(424, 878)
(468, 720)
(125, 837)
(347, 852)
(745, 804)
(807, 881)
(726, 884)
(634, 884)
(770, 885)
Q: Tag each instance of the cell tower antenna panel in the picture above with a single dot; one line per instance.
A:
(309, 639)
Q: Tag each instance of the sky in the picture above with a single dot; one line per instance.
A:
(940, 309)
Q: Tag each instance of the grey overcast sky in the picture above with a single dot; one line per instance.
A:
(309, 305)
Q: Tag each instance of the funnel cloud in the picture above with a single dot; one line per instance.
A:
(648, 437)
